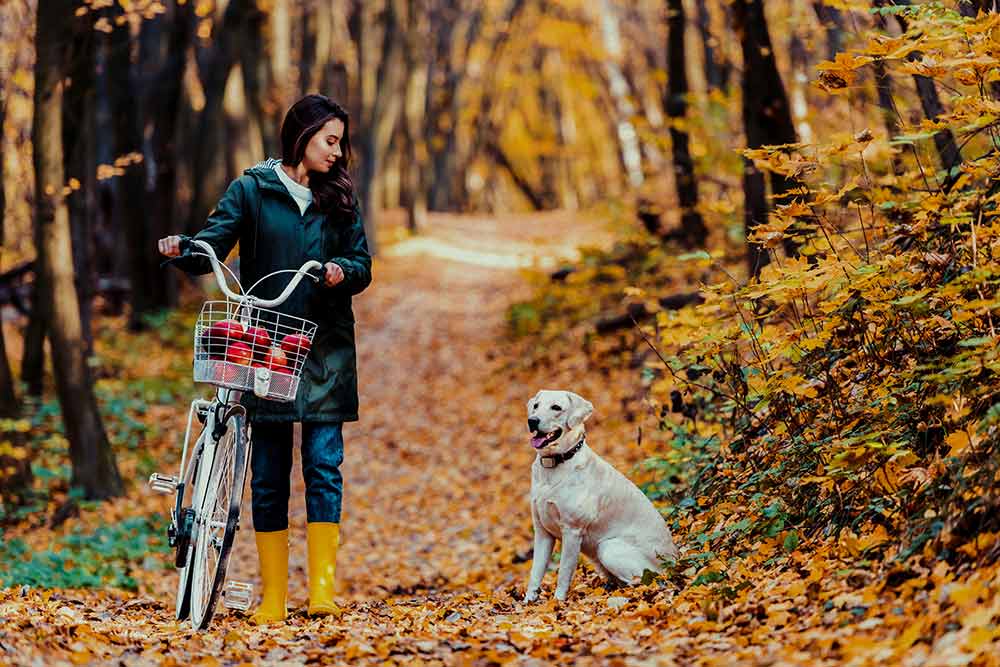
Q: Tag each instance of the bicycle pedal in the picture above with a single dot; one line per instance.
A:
(237, 595)
(163, 483)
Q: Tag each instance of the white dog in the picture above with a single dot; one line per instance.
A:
(578, 497)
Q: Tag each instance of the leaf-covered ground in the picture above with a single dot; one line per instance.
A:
(436, 529)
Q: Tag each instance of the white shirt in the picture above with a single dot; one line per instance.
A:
(302, 195)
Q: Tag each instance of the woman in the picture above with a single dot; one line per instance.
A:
(283, 213)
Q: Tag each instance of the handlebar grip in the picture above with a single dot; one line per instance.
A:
(185, 245)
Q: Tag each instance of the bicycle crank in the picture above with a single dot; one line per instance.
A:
(182, 539)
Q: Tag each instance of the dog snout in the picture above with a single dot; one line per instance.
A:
(533, 424)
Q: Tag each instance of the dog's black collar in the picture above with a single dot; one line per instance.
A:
(555, 459)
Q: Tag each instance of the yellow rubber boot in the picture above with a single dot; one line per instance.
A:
(323, 541)
(272, 550)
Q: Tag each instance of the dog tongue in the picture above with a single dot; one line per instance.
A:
(538, 441)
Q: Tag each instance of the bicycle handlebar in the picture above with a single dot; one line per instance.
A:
(220, 278)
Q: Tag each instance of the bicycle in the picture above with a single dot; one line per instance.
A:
(234, 350)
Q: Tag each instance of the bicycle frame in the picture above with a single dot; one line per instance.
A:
(204, 446)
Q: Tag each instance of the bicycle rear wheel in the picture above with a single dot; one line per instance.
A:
(218, 520)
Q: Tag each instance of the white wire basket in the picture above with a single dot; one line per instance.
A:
(251, 349)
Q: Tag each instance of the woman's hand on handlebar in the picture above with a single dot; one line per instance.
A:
(170, 246)
(334, 274)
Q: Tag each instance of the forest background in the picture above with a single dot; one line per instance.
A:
(802, 285)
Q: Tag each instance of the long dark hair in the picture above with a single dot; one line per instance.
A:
(333, 191)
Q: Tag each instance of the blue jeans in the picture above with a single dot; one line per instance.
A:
(271, 468)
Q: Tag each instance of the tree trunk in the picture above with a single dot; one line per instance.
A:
(485, 129)
(628, 140)
(717, 69)
(281, 56)
(767, 119)
(309, 53)
(944, 141)
(257, 86)
(209, 172)
(317, 48)
(93, 461)
(9, 404)
(109, 250)
(33, 354)
(549, 162)
(537, 199)
(883, 89)
(755, 212)
(79, 131)
(35, 333)
(799, 83)
(971, 8)
(130, 205)
(355, 36)
(163, 92)
(413, 191)
(566, 185)
(930, 101)
(386, 188)
(448, 78)
(334, 80)
(693, 232)
(279, 86)
(833, 24)
(382, 76)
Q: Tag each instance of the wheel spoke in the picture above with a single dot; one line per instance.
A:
(217, 521)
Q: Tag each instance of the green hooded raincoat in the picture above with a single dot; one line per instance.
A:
(258, 212)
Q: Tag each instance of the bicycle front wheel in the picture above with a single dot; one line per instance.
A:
(218, 520)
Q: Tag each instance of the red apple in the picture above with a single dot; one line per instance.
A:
(259, 339)
(226, 330)
(296, 344)
(215, 339)
(239, 353)
(276, 359)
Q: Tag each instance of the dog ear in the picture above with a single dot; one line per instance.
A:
(580, 411)
(534, 398)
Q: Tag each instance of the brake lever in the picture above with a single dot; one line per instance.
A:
(185, 247)
(185, 253)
